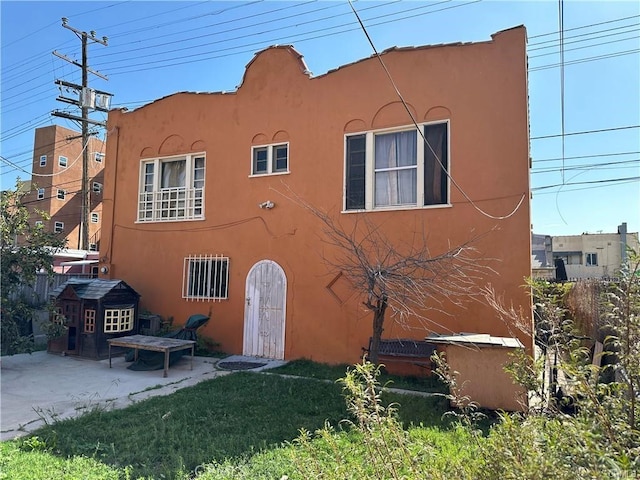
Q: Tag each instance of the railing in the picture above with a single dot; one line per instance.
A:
(170, 204)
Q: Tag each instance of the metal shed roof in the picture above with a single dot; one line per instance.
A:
(477, 339)
(90, 288)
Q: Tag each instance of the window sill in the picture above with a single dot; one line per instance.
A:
(399, 208)
(259, 175)
(170, 220)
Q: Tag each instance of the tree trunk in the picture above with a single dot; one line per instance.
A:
(378, 322)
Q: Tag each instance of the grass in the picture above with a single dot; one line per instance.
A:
(240, 419)
(309, 369)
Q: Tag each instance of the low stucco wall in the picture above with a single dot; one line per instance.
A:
(482, 377)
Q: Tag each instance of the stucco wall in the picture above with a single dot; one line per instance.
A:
(482, 378)
(480, 88)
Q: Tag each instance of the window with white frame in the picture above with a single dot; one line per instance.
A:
(397, 168)
(118, 319)
(61, 194)
(93, 247)
(592, 259)
(95, 218)
(43, 160)
(270, 159)
(99, 157)
(39, 223)
(172, 189)
(96, 187)
(58, 227)
(40, 193)
(62, 161)
(205, 277)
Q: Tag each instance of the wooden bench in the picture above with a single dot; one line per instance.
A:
(417, 352)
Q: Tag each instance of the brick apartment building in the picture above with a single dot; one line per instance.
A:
(56, 183)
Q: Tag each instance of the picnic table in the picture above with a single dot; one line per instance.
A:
(156, 344)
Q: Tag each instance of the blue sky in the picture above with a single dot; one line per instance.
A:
(587, 180)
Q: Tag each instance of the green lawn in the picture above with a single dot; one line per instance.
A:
(230, 418)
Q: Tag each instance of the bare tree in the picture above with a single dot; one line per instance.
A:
(405, 279)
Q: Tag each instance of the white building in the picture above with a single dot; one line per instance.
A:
(594, 255)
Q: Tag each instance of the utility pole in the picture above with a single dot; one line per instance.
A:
(88, 99)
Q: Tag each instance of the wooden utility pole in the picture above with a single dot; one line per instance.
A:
(88, 99)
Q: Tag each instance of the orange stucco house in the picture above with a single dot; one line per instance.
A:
(198, 214)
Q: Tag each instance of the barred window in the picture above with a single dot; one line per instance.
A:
(118, 319)
(89, 321)
(205, 277)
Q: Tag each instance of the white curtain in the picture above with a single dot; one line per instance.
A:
(395, 168)
(174, 174)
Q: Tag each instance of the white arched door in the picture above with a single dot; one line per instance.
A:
(265, 311)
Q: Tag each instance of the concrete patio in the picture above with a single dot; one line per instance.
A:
(41, 387)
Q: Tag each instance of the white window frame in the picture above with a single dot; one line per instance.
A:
(39, 223)
(213, 284)
(270, 160)
(43, 160)
(96, 187)
(58, 227)
(61, 194)
(93, 247)
(591, 259)
(40, 193)
(369, 200)
(177, 203)
(95, 217)
(118, 319)
(63, 161)
(98, 157)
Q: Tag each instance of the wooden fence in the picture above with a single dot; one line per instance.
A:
(38, 294)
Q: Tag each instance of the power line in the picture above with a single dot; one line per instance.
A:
(590, 166)
(590, 182)
(635, 37)
(585, 26)
(592, 187)
(585, 60)
(554, 42)
(585, 132)
(419, 130)
(585, 156)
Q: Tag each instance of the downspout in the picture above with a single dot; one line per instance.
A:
(109, 258)
(115, 189)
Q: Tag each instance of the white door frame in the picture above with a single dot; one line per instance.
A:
(264, 323)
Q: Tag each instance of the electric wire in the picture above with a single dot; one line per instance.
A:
(586, 156)
(419, 130)
(612, 129)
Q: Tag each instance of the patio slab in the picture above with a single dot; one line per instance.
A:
(42, 387)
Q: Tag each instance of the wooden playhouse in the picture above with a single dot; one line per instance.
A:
(93, 311)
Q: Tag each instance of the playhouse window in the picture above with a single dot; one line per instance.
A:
(89, 321)
(118, 319)
(397, 169)
(171, 189)
(205, 277)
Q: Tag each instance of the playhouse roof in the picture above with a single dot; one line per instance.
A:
(91, 288)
